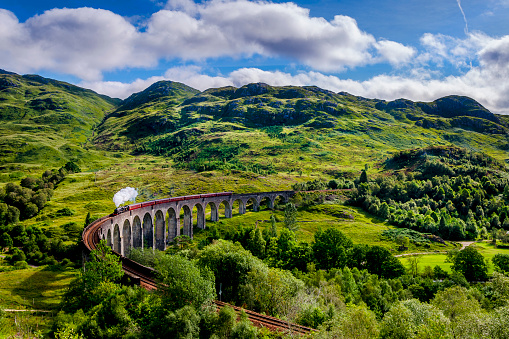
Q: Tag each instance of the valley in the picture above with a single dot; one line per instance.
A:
(373, 179)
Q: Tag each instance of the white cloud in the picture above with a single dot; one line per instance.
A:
(394, 52)
(441, 49)
(86, 42)
(83, 42)
(485, 83)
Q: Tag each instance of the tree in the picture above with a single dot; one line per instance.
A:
(363, 177)
(291, 217)
(501, 262)
(357, 322)
(96, 280)
(330, 248)
(230, 264)
(273, 226)
(5, 241)
(471, 264)
(413, 265)
(88, 220)
(256, 243)
(381, 262)
(384, 211)
(182, 282)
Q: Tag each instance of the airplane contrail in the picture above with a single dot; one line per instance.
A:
(464, 17)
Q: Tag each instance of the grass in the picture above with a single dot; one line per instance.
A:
(34, 288)
(25, 324)
(485, 248)
(429, 260)
(362, 229)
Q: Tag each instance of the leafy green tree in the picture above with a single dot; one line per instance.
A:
(230, 264)
(381, 262)
(256, 243)
(244, 329)
(455, 302)
(182, 282)
(290, 221)
(501, 262)
(384, 211)
(273, 226)
(471, 264)
(88, 220)
(184, 323)
(331, 248)
(270, 290)
(17, 255)
(96, 280)
(355, 322)
(397, 323)
(5, 241)
(363, 177)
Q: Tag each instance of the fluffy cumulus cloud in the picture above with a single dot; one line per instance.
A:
(82, 42)
(86, 42)
(485, 82)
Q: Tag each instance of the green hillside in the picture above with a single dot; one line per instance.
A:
(45, 121)
(263, 129)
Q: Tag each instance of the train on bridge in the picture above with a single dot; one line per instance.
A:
(132, 207)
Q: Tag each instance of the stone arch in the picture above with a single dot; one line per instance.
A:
(108, 239)
(126, 238)
(227, 208)
(200, 216)
(279, 200)
(265, 203)
(159, 228)
(148, 232)
(255, 207)
(242, 206)
(173, 224)
(188, 221)
(214, 213)
(116, 239)
(137, 233)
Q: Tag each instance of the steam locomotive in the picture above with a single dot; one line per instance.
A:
(123, 209)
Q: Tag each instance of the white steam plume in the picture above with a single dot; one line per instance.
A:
(464, 17)
(124, 195)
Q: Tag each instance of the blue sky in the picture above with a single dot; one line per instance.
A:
(389, 49)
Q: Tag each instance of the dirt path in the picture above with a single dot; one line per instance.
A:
(13, 310)
(421, 253)
(463, 245)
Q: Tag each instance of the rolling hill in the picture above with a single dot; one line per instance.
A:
(45, 121)
(268, 129)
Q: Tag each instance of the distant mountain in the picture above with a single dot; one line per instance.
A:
(202, 130)
(45, 120)
(158, 91)
(256, 127)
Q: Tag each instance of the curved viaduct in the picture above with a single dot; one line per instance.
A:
(157, 225)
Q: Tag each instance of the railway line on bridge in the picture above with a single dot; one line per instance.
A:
(144, 276)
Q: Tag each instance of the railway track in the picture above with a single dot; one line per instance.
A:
(143, 276)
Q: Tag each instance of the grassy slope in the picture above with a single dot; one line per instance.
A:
(485, 248)
(322, 132)
(46, 122)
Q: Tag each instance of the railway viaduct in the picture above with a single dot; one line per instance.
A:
(156, 226)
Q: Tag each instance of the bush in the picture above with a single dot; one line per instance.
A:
(17, 255)
(21, 264)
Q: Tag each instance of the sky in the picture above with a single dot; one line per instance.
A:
(413, 49)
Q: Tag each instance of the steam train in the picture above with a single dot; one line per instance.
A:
(123, 209)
